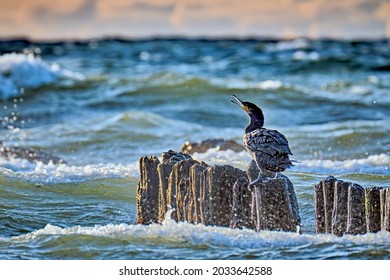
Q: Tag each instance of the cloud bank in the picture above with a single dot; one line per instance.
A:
(139, 18)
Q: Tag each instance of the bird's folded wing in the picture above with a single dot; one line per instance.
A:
(268, 141)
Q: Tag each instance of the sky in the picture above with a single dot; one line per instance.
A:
(80, 19)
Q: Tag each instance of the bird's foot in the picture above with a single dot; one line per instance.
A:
(257, 181)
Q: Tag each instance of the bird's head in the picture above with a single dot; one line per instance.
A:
(254, 112)
(248, 107)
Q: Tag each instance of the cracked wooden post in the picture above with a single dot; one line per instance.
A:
(164, 170)
(167, 194)
(355, 210)
(184, 190)
(179, 192)
(242, 204)
(217, 194)
(324, 203)
(373, 209)
(356, 220)
(319, 208)
(328, 189)
(147, 192)
(195, 182)
(340, 208)
(174, 182)
(276, 206)
(385, 209)
(204, 198)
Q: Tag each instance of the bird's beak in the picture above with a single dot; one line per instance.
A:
(238, 102)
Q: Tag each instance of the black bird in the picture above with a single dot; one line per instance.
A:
(268, 148)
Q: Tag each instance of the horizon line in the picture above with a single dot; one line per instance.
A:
(174, 37)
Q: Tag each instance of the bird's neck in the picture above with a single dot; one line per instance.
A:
(257, 121)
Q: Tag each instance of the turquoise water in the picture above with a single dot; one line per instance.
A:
(102, 104)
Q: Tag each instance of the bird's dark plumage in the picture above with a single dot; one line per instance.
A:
(268, 148)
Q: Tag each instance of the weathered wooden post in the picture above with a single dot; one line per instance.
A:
(328, 189)
(242, 204)
(324, 203)
(178, 188)
(274, 202)
(275, 205)
(147, 192)
(340, 208)
(195, 182)
(373, 209)
(217, 194)
(356, 220)
(385, 209)
(204, 198)
(183, 189)
(355, 210)
(163, 170)
(319, 208)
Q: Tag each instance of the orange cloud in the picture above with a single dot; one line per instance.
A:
(383, 13)
(83, 18)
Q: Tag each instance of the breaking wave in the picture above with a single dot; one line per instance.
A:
(197, 235)
(40, 173)
(376, 164)
(19, 71)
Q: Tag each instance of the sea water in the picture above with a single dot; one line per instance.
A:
(102, 104)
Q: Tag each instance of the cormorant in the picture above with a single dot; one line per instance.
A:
(268, 148)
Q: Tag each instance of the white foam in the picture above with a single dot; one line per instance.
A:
(270, 84)
(360, 90)
(371, 164)
(241, 84)
(379, 164)
(299, 43)
(19, 71)
(40, 173)
(302, 55)
(216, 156)
(172, 232)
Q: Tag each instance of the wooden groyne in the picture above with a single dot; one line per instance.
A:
(213, 195)
(220, 195)
(347, 208)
